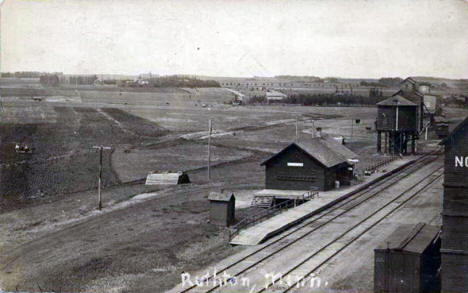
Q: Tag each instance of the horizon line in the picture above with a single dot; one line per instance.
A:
(241, 76)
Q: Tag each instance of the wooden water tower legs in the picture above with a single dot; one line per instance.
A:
(413, 144)
(379, 142)
(386, 143)
(396, 142)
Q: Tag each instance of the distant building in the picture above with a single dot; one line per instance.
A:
(78, 79)
(239, 96)
(49, 79)
(275, 96)
(309, 164)
(418, 92)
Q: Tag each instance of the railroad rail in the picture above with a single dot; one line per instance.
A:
(254, 258)
(360, 224)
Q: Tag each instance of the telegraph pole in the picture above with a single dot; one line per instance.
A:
(396, 127)
(297, 133)
(396, 118)
(209, 149)
(100, 148)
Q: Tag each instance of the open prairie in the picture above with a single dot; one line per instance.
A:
(145, 236)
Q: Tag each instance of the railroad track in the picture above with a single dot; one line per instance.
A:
(260, 254)
(316, 260)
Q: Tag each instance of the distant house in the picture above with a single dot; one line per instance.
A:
(309, 164)
(239, 96)
(275, 96)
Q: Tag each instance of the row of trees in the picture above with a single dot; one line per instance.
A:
(332, 99)
(172, 81)
(23, 74)
(324, 100)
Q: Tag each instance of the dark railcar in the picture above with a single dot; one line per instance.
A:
(409, 261)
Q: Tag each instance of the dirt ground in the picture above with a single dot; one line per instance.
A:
(53, 238)
(62, 159)
(131, 246)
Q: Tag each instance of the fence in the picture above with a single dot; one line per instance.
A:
(268, 212)
(374, 166)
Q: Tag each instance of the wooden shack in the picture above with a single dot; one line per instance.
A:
(408, 261)
(397, 124)
(455, 211)
(309, 164)
(222, 208)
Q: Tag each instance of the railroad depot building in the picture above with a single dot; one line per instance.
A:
(309, 164)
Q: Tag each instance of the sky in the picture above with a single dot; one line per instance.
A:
(344, 38)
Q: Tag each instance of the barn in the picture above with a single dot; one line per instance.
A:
(309, 164)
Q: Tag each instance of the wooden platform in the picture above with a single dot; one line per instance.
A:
(285, 194)
(263, 230)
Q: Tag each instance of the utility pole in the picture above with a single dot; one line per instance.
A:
(396, 118)
(352, 125)
(209, 149)
(396, 126)
(100, 148)
(297, 133)
(313, 129)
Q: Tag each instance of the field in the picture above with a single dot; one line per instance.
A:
(52, 237)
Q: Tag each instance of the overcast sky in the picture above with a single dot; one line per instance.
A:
(237, 37)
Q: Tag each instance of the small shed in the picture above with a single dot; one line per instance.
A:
(409, 261)
(167, 178)
(309, 164)
(222, 208)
